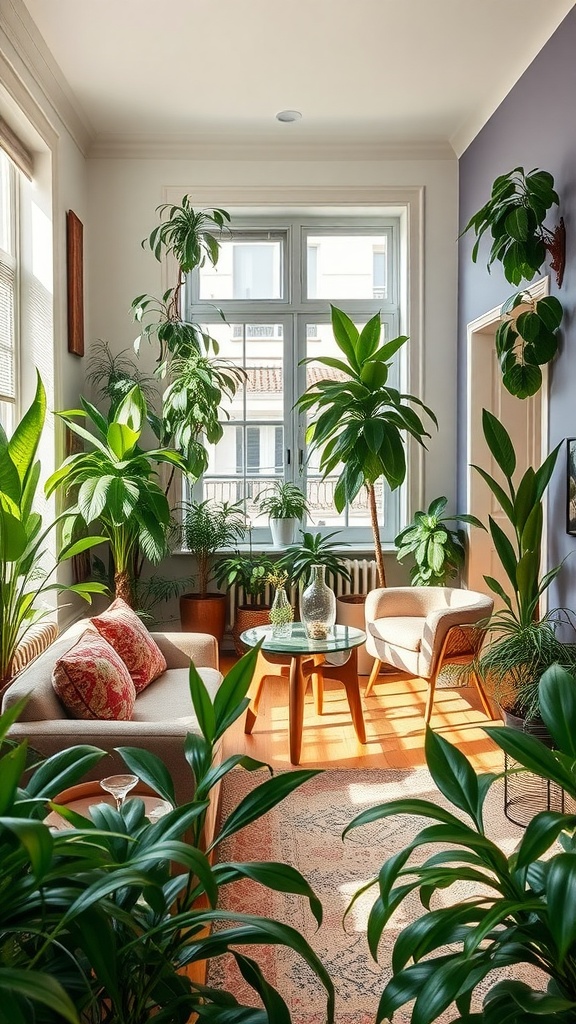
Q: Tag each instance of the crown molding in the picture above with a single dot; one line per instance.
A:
(205, 146)
(31, 52)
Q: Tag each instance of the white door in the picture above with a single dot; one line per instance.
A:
(526, 422)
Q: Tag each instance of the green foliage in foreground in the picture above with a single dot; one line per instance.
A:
(525, 909)
(98, 921)
(24, 580)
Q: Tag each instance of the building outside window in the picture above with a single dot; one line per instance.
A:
(275, 285)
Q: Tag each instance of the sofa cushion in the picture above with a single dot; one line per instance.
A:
(92, 681)
(127, 634)
(400, 631)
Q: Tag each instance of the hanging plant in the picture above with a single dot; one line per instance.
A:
(514, 215)
(527, 340)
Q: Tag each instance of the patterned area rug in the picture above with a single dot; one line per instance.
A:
(305, 830)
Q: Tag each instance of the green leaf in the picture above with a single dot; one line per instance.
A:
(498, 492)
(557, 696)
(277, 876)
(346, 335)
(560, 895)
(541, 832)
(23, 444)
(202, 705)
(499, 443)
(523, 381)
(504, 550)
(63, 769)
(12, 766)
(453, 775)
(232, 690)
(35, 838)
(550, 311)
(531, 754)
(39, 988)
(261, 800)
(150, 769)
(517, 223)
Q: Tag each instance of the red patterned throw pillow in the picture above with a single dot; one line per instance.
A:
(92, 681)
(128, 635)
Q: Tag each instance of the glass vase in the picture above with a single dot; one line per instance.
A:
(318, 606)
(281, 615)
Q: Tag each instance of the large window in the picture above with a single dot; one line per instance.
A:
(274, 283)
(8, 292)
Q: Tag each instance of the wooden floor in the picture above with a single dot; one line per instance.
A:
(394, 718)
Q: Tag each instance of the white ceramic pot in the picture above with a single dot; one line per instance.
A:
(283, 531)
(350, 612)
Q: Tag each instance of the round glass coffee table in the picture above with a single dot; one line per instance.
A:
(309, 659)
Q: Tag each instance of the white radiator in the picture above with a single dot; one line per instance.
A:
(364, 577)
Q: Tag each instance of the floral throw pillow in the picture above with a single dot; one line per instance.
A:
(92, 681)
(128, 635)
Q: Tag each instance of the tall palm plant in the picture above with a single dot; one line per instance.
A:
(114, 483)
(360, 422)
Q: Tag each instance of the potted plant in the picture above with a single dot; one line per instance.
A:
(206, 527)
(115, 484)
(438, 550)
(285, 505)
(23, 579)
(314, 549)
(197, 380)
(108, 918)
(359, 423)
(525, 909)
(248, 572)
(514, 215)
(521, 642)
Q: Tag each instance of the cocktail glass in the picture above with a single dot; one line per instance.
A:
(119, 786)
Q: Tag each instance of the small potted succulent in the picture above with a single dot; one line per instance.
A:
(285, 505)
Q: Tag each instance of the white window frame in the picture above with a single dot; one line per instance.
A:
(295, 310)
(12, 261)
(405, 201)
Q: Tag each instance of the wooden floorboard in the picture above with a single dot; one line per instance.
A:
(394, 718)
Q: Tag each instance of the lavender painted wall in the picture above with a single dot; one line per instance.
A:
(535, 126)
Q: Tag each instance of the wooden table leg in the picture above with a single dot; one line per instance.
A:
(298, 684)
(347, 674)
(257, 686)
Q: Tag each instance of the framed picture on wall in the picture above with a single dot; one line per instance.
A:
(571, 486)
(75, 269)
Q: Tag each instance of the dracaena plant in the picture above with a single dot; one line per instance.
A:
(527, 337)
(358, 422)
(438, 549)
(23, 537)
(97, 926)
(524, 911)
(114, 483)
(522, 643)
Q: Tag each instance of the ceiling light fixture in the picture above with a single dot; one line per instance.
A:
(288, 115)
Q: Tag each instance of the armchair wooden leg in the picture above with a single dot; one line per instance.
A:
(430, 698)
(483, 696)
(373, 677)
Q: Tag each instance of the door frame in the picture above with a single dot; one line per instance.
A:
(476, 332)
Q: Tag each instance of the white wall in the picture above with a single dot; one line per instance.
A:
(123, 195)
(50, 131)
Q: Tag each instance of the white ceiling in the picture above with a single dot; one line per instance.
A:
(362, 72)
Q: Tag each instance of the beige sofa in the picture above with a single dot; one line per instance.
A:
(163, 713)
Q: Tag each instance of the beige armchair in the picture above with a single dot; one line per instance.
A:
(417, 629)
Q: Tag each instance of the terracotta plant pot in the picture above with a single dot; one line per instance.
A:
(247, 616)
(204, 613)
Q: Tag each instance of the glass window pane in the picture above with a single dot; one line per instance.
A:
(343, 266)
(249, 267)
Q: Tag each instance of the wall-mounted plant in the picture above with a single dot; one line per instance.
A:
(514, 216)
(526, 339)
